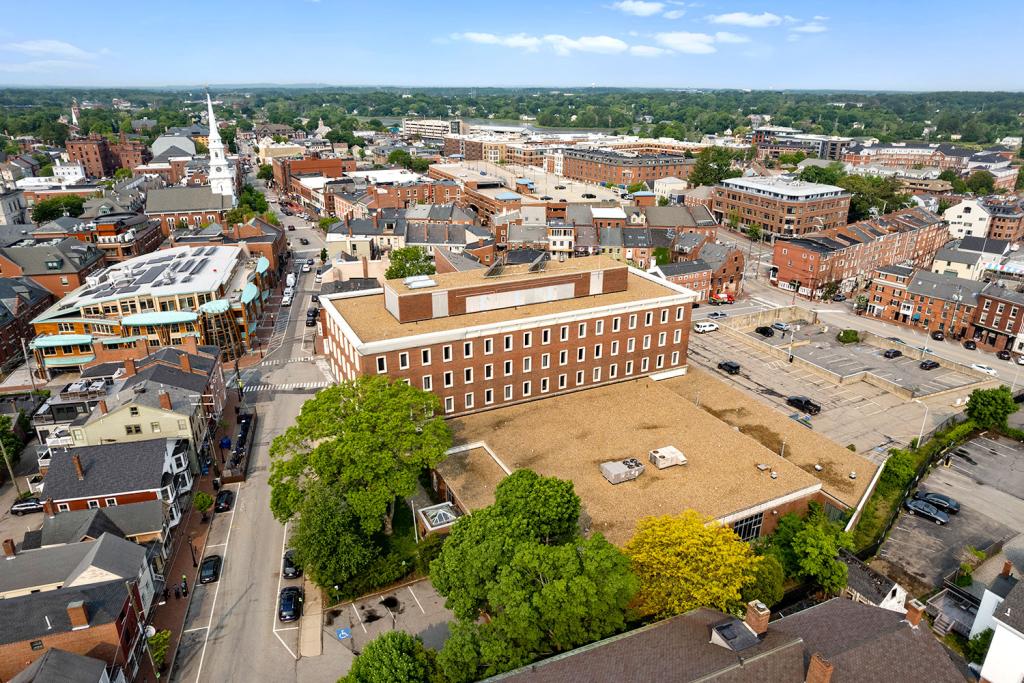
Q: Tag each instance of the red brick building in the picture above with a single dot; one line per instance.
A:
(621, 168)
(60, 265)
(779, 205)
(999, 319)
(924, 300)
(119, 236)
(102, 157)
(285, 169)
(695, 275)
(21, 300)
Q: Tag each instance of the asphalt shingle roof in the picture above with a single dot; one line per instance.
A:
(109, 468)
(173, 199)
(59, 666)
(63, 564)
(46, 614)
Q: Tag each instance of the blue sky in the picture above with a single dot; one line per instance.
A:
(861, 44)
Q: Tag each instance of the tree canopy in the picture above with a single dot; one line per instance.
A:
(409, 261)
(808, 548)
(329, 543)
(872, 195)
(50, 209)
(981, 182)
(990, 407)
(369, 437)
(393, 657)
(683, 563)
(400, 157)
(265, 172)
(714, 165)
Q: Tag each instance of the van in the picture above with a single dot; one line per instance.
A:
(704, 326)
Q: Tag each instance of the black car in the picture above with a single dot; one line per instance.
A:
(839, 297)
(970, 344)
(224, 500)
(291, 227)
(26, 506)
(289, 569)
(311, 322)
(303, 241)
(289, 607)
(209, 570)
(937, 335)
(309, 262)
(928, 365)
(765, 331)
(938, 500)
(805, 404)
(730, 367)
(892, 353)
(1004, 355)
(926, 510)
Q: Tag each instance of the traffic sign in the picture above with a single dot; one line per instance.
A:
(344, 633)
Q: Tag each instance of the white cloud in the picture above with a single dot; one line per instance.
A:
(674, 13)
(647, 51)
(47, 48)
(606, 45)
(726, 37)
(812, 27)
(44, 66)
(747, 19)
(688, 43)
(518, 40)
(639, 8)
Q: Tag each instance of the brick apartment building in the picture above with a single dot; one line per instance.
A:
(620, 168)
(101, 158)
(908, 155)
(924, 300)
(119, 236)
(695, 275)
(285, 168)
(849, 254)
(194, 206)
(999, 319)
(505, 335)
(779, 205)
(60, 264)
(21, 300)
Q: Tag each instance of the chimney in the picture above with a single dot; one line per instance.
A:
(915, 610)
(757, 616)
(366, 268)
(1007, 569)
(819, 669)
(49, 508)
(375, 214)
(165, 400)
(186, 363)
(9, 549)
(102, 405)
(129, 367)
(77, 460)
(77, 615)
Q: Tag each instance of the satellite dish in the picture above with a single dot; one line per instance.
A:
(150, 631)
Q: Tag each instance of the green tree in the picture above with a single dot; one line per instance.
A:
(123, 174)
(50, 209)
(990, 407)
(767, 582)
(949, 175)
(685, 561)
(981, 182)
(393, 657)
(754, 232)
(977, 647)
(662, 201)
(46, 171)
(326, 222)
(871, 194)
(203, 502)
(827, 175)
(636, 187)
(329, 543)
(792, 159)
(662, 256)
(323, 256)
(371, 437)
(201, 148)
(400, 157)
(808, 548)
(409, 261)
(944, 205)
(252, 199)
(265, 172)
(159, 643)
(714, 164)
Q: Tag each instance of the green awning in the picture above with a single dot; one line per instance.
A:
(216, 306)
(262, 264)
(66, 361)
(51, 340)
(250, 292)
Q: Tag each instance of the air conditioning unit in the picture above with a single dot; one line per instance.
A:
(666, 456)
(618, 471)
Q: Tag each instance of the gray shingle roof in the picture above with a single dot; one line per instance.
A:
(18, 294)
(1011, 612)
(945, 287)
(73, 256)
(684, 267)
(109, 469)
(716, 254)
(63, 564)
(46, 614)
(865, 580)
(59, 666)
(174, 199)
(118, 520)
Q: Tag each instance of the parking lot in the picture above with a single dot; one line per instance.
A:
(415, 608)
(988, 481)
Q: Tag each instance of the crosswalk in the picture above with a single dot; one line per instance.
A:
(293, 386)
(765, 302)
(303, 359)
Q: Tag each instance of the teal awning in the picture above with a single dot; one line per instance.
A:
(216, 306)
(250, 292)
(66, 361)
(159, 318)
(51, 340)
(110, 341)
(262, 264)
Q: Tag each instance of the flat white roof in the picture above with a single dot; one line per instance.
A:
(780, 185)
(315, 182)
(609, 212)
(387, 175)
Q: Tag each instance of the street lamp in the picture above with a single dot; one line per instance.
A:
(192, 549)
(920, 433)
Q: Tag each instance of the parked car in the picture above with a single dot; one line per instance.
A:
(589, 195)
(704, 326)
(938, 500)
(729, 367)
(318, 278)
(26, 506)
(839, 297)
(896, 339)
(309, 262)
(303, 241)
(291, 227)
(765, 331)
(310, 322)
(1004, 355)
(984, 368)
(559, 187)
(926, 510)
(289, 569)
(892, 353)
(970, 344)
(289, 607)
(780, 326)
(209, 570)
(225, 499)
(717, 315)
(928, 365)
(937, 335)
(306, 268)
(287, 301)
(805, 404)
(312, 311)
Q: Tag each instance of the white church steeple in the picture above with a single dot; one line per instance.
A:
(222, 174)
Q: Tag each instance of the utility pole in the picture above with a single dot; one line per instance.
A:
(10, 469)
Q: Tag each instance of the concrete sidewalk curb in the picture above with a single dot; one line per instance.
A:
(311, 624)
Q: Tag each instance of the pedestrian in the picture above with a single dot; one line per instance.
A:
(177, 593)
(166, 595)
(184, 590)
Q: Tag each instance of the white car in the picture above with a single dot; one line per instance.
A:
(984, 368)
(306, 268)
(704, 326)
(287, 301)
(318, 278)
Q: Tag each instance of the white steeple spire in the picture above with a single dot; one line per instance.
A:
(222, 174)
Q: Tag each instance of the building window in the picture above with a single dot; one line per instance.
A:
(659, 362)
(597, 374)
(630, 344)
(598, 327)
(645, 363)
(648, 318)
(561, 381)
(749, 528)
(544, 385)
(662, 338)
(403, 360)
(489, 371)
(579, 377)
(563, 333)
(527, 340)
(507, 368)
(382, 365)
(467, 375)
(677, 336)
(527, 364)
(428, 382)
(508, 392)
(647, 342)
(526, 389)
(469, 401)
(488, 396)
(616, 323)
(133, 411)
(664, 316)
(675, 358)
(581, 354)
(488, 346)
(110, 502)
(154, 427)
(508, 342)
(132, 429)
(597, 351)
(582, 331)
(449, 404)
(545, 361)
(94, 505)
(37, 644)
(613, 371)
(632, 321)
(563, 357)
(545, 336)
(467, 349)
(448, 379)
(446, 353)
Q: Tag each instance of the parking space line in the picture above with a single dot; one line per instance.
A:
(354, 610)
(289, 628)
(417, 600)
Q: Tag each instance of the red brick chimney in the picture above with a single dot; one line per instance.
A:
(77, 615)
(129, 367)
(102, 405)
(49, 508)
(375, 215)
(1007, 569)
(757, 616)
(186, 363)
(77, 461)
(9, 548)
(366, 268)
(915, 610)
(819, 669)
(165, 400)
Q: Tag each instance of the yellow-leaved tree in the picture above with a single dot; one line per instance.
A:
(686, 561)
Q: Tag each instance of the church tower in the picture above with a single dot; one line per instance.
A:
(222, 174)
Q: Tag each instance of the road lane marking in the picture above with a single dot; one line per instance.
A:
(216, 591)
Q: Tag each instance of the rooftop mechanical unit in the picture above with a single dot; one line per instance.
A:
(666, 456)
(618, 471)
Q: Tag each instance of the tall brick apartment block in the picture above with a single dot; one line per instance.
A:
(779, 205)
(485, 338)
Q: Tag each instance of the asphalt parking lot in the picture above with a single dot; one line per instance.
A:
(415, 608)
(988, 481)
